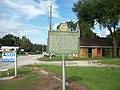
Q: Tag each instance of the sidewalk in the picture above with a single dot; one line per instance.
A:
(77, 63)
(7, 78)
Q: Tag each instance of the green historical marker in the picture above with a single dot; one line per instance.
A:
(63, 42)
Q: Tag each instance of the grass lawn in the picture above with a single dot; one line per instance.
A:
(22, 54)
(26, 83)
(92, 77)
(59, 58)
(111, 62)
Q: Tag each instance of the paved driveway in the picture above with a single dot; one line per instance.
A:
(21, 60)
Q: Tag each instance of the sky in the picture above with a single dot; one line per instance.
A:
(30, 18)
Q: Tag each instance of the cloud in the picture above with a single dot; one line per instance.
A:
(19, 29)
(29, 8)
(103, 32)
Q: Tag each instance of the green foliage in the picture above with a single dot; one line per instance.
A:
(9, 40)
(117, 37)
(104, 12)
(23, 43)
(85, 30)
(71, 25)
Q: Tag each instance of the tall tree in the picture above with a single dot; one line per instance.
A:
(10, 40)
(71, 25)
(105, 12)
(85, 30)
(25, 44)
(117, 35)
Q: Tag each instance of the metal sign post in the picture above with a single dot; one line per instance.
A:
(15, 64)
(63, 73)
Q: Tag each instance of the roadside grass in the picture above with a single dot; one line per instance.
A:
(92, 77)
(28, 82)
(59, 58)
(111, 62)
(22, 54)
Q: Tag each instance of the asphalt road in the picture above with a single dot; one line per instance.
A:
(21, 60)
(31, 59)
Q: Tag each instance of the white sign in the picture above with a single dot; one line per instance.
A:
(8, 56)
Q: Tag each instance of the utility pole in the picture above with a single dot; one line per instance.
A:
(50, 17)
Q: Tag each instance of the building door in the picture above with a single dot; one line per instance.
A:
(103, 52)
(118, 52)
(89, 52)
(98, 52)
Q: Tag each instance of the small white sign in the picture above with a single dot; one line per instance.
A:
(8, 56)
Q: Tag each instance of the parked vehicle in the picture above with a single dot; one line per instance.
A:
(45, 54)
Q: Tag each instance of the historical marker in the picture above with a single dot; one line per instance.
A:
(63, 42)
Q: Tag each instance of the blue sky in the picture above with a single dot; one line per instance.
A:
(30, 18)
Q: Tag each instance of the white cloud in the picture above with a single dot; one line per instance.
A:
(103, 32)
(29, 8)
(19, 29)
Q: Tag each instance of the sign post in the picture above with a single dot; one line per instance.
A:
(15, 63)
(9, 55)
(63, 73)
(63, 42)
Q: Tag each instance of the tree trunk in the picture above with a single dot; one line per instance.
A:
(115, 48)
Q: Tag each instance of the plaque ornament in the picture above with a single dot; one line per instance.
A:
(63, 27)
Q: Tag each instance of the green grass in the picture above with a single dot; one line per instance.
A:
(92, 77)
(26, 83)
(59, 58)
(111, 62)
(22, 54)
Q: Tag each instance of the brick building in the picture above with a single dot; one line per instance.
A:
(96, 48)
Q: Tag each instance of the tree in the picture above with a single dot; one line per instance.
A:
(85, 30)
(25, 44)
(104, 12)
(117, 35)
(10, 40)
(71, 25)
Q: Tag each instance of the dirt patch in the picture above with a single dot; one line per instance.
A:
(47, 81)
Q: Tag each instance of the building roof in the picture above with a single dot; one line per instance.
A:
(95, 42)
